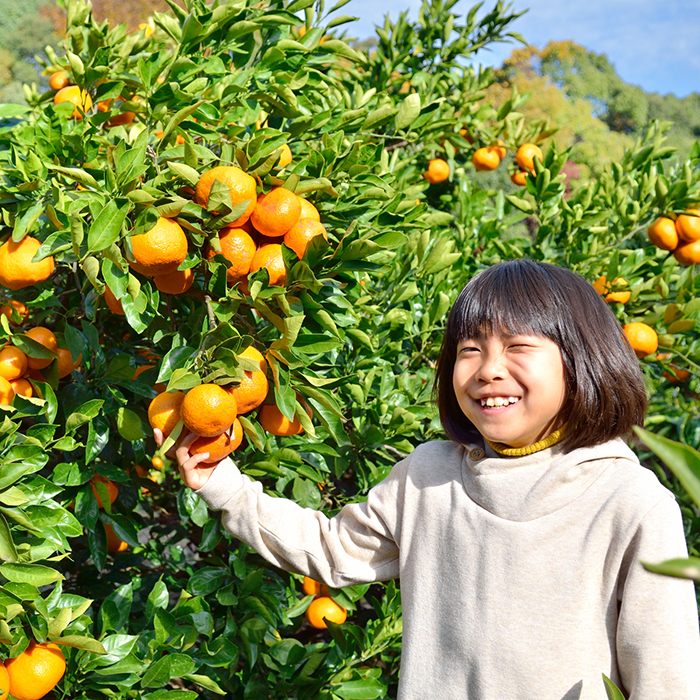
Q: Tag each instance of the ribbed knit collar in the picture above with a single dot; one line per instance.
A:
(506, 451)
(535, 485)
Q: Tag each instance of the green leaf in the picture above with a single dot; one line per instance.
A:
(205, 682)
(107, 226)
(76, 174)
(522, 204)
(178, 118)
(129, 425)
(8, 552)
(33, 574)
(408, 111)
(79, 642)
(189, 175)
(681, 459)
(680, 568)
(612, 691)
(365, 689)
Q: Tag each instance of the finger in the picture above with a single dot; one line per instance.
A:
(182, 453)
(158, 436)
(191, 464)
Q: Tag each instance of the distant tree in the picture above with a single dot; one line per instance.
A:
(592, 142)
(25, 29)
(596, 112)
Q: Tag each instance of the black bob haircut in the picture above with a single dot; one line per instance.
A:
(605, 390)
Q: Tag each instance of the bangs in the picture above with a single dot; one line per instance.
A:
(507, 300)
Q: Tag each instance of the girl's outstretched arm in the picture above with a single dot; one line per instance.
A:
(358, 545)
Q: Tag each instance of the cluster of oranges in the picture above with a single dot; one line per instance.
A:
(211, 411)
(681, 237)
(643, 339)
(255, 239)
(323, 607)
(489, 158)
(17, 368)
(82, 100)
(250, 243)
(33, 673)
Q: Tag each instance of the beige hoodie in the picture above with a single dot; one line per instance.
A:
(520, 576)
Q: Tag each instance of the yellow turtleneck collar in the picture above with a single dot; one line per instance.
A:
(551, 439)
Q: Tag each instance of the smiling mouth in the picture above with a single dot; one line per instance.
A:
(499, 401)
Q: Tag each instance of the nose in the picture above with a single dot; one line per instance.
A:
(492, 367)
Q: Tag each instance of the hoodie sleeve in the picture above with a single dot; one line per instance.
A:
(658, 642)
(358, 545)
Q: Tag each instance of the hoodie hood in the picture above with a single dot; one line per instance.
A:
(530, 487)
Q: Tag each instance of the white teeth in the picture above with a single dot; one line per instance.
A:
(498, 401)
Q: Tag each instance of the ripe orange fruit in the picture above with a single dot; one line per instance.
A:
(238, 248)
(36, 671)
(675, 374)
(519, 178)
(4, 682)
(642, 338)
(300, 235)
(252, 390)
(160, 250)
(526, 154)
(688, 225)
(48, 340)
(14, 309)
(219, 446)
(308, 210)
(177, 282)
(276, 212)
(112, 489)
(65, 362)
(276, 423)
(113, 304)
(16, 267)
(501, 148)
(663, 234)
(311, 587)
(164, 411)
(486, 158)
(157, 463)
(208, 410)
(6, 392)
(327, 608)
(115, 544)
(438, 171)
(59, 80)
(179, 140)
(121, 119)
(688, 253)
(270, 257)
(242, 186)
(285, 157)
(73, 94)
(603, 287)
(13, 363)
(23, 388)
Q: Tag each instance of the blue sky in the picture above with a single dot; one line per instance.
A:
(651, 43)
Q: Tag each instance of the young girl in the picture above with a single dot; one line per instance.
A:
(518, 541)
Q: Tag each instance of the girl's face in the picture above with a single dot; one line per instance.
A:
(512, 388)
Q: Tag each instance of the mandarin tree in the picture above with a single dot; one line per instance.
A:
(325, 323)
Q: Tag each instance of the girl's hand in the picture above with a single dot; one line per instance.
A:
(193, 475)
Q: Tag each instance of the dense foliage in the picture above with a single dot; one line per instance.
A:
(354, 332)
